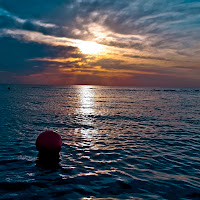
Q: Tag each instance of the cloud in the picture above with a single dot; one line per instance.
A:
(16, 53)
(142, 39)
(147, 57)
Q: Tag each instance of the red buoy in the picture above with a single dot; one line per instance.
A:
(49, 142)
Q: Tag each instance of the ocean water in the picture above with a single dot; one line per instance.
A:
(118, 143)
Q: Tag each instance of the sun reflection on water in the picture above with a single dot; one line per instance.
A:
(86, 100)
(85, 112)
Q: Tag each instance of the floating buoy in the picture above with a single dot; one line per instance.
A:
(8, 88)
(49, 143)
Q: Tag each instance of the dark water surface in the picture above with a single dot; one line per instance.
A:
(118, 143)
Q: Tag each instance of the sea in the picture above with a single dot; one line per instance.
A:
(118, 143)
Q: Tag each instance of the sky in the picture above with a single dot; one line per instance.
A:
(142, 43)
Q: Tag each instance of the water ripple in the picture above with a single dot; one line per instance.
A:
(118, 143)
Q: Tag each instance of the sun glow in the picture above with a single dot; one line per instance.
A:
(88, 47)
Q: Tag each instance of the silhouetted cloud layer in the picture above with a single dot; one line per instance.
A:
(144, 43)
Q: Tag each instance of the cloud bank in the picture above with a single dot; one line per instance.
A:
(145, 43)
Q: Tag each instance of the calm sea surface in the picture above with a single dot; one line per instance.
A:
(118, 143)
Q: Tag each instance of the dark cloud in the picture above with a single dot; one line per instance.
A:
(147, 57)
(33, 8)
(131, 44)
(15, 55)
(9, 22)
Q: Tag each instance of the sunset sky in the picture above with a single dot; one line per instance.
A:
(100, 42)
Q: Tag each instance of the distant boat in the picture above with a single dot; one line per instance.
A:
(8, 88)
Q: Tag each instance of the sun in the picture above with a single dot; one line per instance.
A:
(88, 47)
